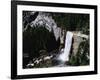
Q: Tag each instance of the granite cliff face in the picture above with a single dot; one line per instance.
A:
(43, 19)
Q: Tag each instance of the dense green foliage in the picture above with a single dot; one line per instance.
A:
(36, 39)
(72, 22)
(81, 57)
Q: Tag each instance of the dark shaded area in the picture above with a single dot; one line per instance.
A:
(36, 39)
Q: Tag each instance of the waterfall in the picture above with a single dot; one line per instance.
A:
(64, 56)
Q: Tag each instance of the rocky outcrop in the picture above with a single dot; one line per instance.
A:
(77, 39)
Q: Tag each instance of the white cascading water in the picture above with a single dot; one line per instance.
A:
(63, 57)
